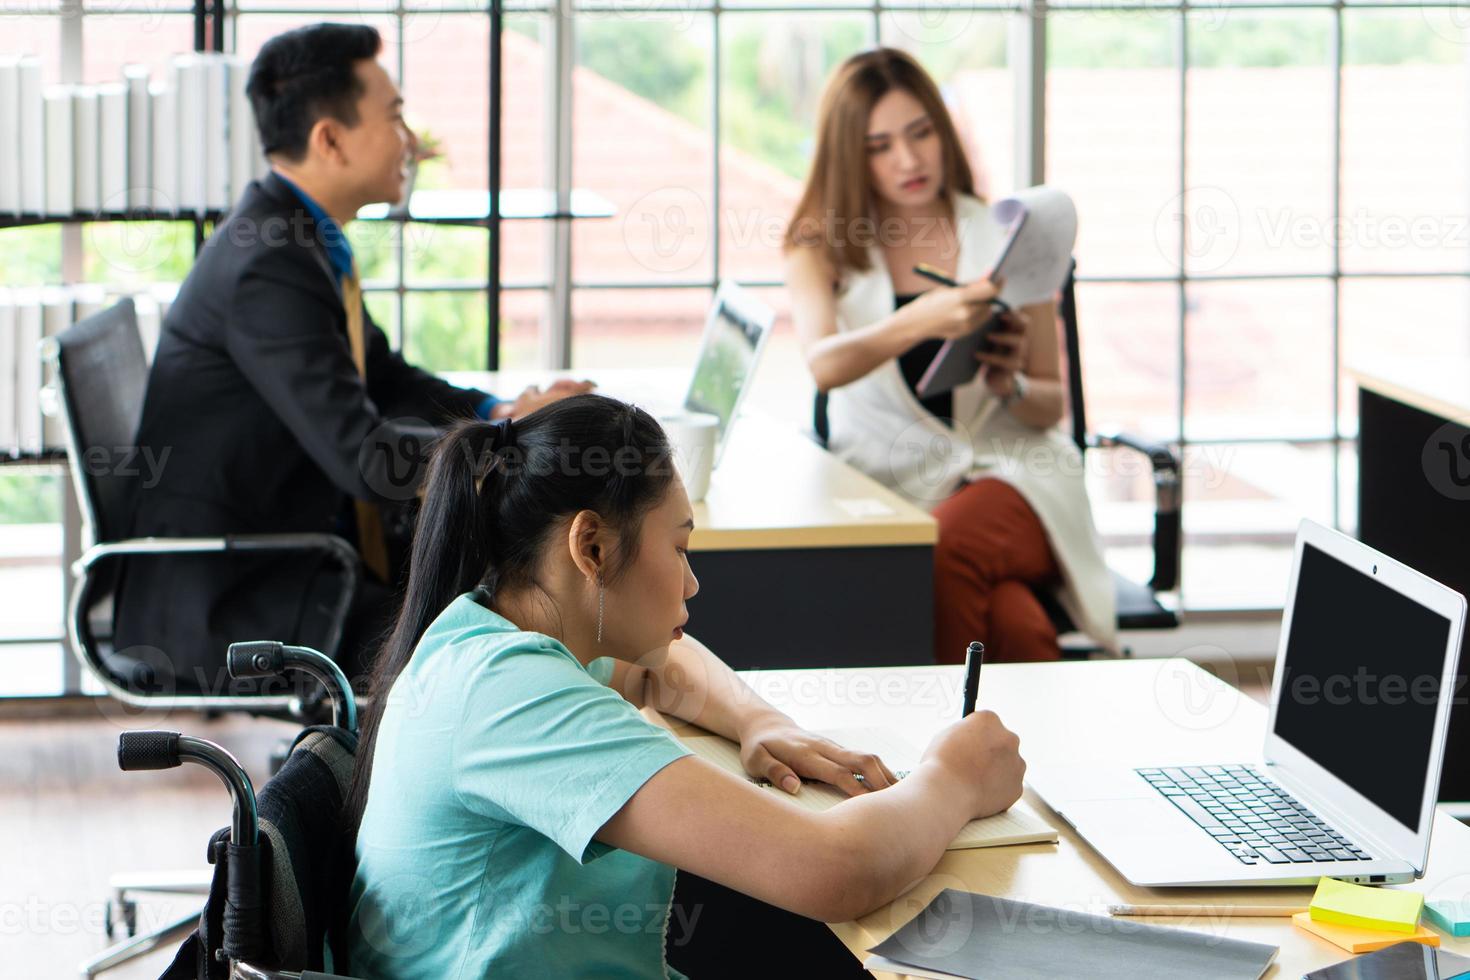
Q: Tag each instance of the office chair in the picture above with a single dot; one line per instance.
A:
(1140, 606)
(101, 376)
(277, 897)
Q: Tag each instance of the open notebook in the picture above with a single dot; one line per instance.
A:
(1018, 825)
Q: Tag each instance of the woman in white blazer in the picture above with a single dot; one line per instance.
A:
(890, 187)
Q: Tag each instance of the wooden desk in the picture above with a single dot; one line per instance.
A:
(1414, 493)
(1147, 712)
(839, 567)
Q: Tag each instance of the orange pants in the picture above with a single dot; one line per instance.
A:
(991, 550)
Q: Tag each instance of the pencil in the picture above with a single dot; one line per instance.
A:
(1240, 911)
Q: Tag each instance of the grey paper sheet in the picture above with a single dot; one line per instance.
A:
(984, 938)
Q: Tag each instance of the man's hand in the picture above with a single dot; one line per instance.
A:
(777, 749)
(533, 398)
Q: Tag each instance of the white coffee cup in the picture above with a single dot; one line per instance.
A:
(692, 436)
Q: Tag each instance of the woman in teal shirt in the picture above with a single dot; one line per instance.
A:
(516, 814)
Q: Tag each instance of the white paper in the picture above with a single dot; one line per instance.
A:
(191, 81)
(859, 507)
(140, 138)
(10, 145)
(216, 133)
(164, 160)
(86, 155)
(112, 146)
(9, 440)
(1037, 263)
(1018, 825)
(59, 169)
(28, 367)
(32, 138)
(56, 316)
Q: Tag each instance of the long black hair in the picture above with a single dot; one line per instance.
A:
(493, 493)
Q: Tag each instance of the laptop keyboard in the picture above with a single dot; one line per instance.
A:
(1250, 816)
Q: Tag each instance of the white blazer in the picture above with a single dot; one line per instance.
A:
(878, 425)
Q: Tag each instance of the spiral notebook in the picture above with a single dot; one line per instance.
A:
(1018, 825)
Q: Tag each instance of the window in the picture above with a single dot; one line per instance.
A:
(1263, 196)
(1264, 193)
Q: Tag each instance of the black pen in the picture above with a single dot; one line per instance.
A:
(974, 660)
(929, 272)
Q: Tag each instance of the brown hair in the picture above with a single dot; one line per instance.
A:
(838, 196)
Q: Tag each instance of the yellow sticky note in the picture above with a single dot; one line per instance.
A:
(1345, 904)
(1362, 940)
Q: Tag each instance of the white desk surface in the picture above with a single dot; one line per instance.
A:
(1437, 385)
(774, 488)
(1136, 712)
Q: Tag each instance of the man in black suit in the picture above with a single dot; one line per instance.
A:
(279, 401)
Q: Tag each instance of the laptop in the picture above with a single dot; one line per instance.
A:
(735, 333)
(1346, 781)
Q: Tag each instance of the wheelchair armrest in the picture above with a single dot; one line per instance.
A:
(1168, 497)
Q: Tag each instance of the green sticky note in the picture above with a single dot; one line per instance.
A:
(1449, 916)
(1347, 904)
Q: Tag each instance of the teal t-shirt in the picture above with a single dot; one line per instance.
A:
(498, 757)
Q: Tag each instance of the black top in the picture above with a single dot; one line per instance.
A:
(915, 361)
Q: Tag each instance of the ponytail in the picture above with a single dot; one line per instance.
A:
(451, 552)
(493, 491)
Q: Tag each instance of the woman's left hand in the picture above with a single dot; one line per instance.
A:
(1008, 357)
(777, 749)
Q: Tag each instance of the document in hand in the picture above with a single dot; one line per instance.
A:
(1035, 264)
(961, 934)
(1041, 228)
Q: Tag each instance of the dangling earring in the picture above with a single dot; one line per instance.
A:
(601, 599)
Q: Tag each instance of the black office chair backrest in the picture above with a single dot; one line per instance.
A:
(102, 375)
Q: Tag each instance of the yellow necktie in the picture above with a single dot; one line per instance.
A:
(371, 544)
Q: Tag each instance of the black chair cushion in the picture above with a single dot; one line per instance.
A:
(1138, 608)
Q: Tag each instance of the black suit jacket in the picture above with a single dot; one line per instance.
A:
(267, 427)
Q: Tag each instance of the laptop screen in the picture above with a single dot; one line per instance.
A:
(730, 346)
(1361, 683)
